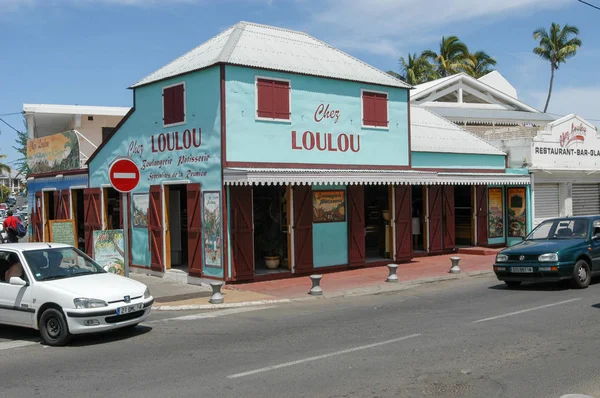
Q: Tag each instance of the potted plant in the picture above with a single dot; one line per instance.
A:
(272, 250)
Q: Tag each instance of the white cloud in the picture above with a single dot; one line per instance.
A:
(366, 24)
(582, 101)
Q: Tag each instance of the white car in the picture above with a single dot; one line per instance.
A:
(62, 292)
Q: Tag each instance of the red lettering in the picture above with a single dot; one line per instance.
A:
(294, 144)
(308, 135)
(342, 142)
(318, 113)
(352, 143)
(319, 141)
(187, 139)
(323, 112)
(177, 145)
(171, 141)
(330, 146)
(161, 140)
(153, 149)
(197, 144)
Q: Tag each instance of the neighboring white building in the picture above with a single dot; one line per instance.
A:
(12, 180)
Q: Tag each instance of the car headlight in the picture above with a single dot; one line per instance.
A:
(548, 257)
(147, 293)
(501, 258)
(81, 303)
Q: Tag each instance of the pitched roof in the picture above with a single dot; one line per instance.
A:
(261, 46)
(432, 133)
(75, 109)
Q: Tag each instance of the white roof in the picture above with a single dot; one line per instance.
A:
(499, 82)
(268, 47)
(433, 133)
(75, 109)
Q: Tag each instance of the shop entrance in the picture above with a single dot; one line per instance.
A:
(112, 209)
(78, 216)
(270, 210)
(418, 218)
(378, 229)
(176, 231)
(463, 207)
(50, 201)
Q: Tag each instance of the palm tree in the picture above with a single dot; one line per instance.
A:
(479, 64)
(452, 57)
(4, 167)
(417, 69)
(556, 47)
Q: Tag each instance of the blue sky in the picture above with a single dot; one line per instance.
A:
(88, 52)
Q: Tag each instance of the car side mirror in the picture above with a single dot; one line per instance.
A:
(15, 280)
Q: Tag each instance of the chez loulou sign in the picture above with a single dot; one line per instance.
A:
(568, 143)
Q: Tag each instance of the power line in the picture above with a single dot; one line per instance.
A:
(588, 4)
(11, 114)
(5, 122)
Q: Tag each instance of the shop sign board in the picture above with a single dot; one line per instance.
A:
(109, 250)
(52, 153)
(495, 213)
(567, 143)
(329, 206)
(517, 212)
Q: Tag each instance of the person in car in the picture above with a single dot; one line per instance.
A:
(15, 270)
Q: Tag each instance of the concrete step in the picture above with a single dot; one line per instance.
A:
(480, 251)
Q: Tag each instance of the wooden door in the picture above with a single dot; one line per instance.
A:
(65, 205)
(91, 217)
(167, 225)
(155, 228)
(481, 195)
(449, 218)
(403, 222)
(242, 233)
(57, 210)
(194, 227)
(303, 229)
(356, 225)
(38, 224)
(435, 218)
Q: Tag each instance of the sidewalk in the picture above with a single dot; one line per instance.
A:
(175, 296)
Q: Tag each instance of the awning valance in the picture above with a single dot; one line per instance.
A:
(284, 176)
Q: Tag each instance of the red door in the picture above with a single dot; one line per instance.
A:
(38, 225)
(155, 228)
(435, 219)
(482, 214)
(194, 227)
(242, 233)
(303, 229)
(448, 217)
(356, 226)
(403, 220)
(65, 204)
(91, 217)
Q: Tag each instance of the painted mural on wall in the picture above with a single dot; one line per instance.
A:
(108, 250)
(58, 152)
(495, 213)
(517, 214)
(329, 206)
(140, 210)
(212, 229)
(567, 143)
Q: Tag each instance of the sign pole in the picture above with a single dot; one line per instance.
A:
(125, 233)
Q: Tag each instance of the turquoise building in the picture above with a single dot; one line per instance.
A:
(266, 153)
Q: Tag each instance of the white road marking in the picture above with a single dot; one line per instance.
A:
(214, 314)
(318, 357)
(124, 175)
(527, 310)
(16, 344)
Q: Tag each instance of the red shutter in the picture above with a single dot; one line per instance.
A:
(56, 215)
(281, 100)
(435, 218)
(194, 227)
(242, 233)
(303, 229)
(178, 104)
(368, 109)
(65, 204)
(481, 194)
(38, 225)
(155, 228)
(448, 216)
(403, 220)
(91, 217)
(168, 106)
(265, 95)
(356, 224)
(375, 112)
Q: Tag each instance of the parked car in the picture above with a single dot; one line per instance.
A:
(561, 249)
(62, 292)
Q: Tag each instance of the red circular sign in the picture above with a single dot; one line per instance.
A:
(124, 175)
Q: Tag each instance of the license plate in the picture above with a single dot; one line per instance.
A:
(129, 309)
(521, 269)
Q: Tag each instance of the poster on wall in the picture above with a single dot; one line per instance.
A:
(57, 152)
(517, 215)
(329, 206)
(108, 250)
(212, 229)
(140, 210)
(495, 213)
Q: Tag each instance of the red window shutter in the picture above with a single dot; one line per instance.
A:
(273, 99)
(281, 99)
(368, 109)
(265, 98)
(375, 109)
(173, 104)
(168, 105)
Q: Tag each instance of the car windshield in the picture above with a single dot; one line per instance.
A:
(560, 229)
(59, 263)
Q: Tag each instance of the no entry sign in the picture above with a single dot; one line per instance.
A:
(124, 175)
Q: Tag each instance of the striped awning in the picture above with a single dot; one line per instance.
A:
(284, 176)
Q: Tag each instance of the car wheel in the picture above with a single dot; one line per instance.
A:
(513, 283)
(53, 328)
(581, 275)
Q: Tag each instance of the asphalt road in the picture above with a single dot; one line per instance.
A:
(465, 338)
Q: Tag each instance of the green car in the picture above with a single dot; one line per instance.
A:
(560, 249)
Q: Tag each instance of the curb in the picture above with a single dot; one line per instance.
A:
(381, 289)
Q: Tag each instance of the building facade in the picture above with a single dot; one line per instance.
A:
(260, 164)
